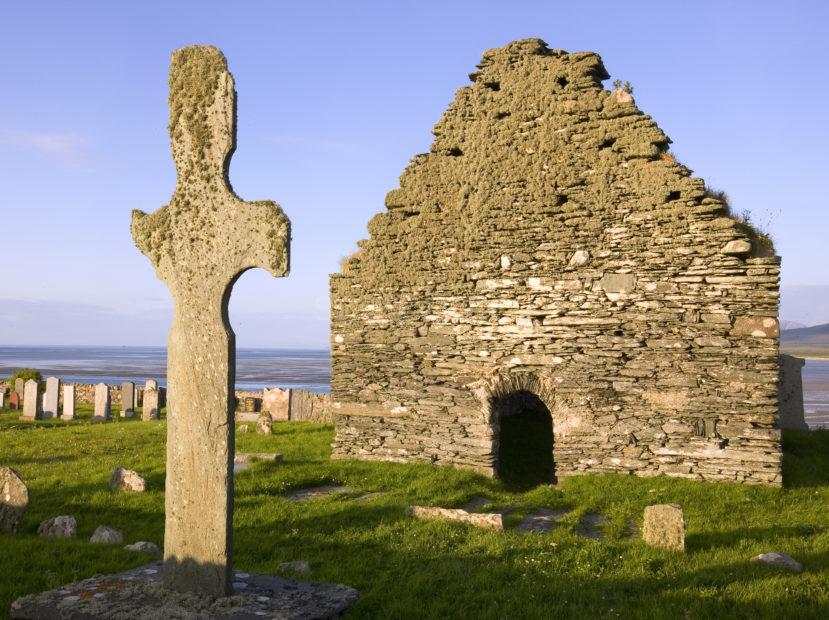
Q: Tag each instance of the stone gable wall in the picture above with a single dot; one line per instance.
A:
(549, 241)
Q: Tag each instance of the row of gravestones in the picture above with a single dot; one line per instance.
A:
(37, 408)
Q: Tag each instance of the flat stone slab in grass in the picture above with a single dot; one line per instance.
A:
(590, 526)
(543, 520)
(138, 593)
(489, 520)
(243, 460)
(318, 492)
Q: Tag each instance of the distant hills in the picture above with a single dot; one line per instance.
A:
(806, 341)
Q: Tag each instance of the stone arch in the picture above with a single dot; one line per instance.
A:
(521, 390)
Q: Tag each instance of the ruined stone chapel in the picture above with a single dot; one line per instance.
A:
(549, 257)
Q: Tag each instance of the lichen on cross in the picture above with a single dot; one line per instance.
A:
(199, 244)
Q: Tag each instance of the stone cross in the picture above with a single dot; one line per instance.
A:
(199, 245)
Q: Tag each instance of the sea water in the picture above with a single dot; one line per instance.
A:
(304, 369)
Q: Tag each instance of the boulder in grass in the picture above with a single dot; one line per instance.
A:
(779, 560)
(105, 535)
(126, 480)
(144, 547)
(63, 526)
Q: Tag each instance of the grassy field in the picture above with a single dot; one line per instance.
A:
(412, 569)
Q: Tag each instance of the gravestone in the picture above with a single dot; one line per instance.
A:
(302, 405)
(50, 398)
(3, 398)
(14, 400)
(31, 400)
(136, 403)
(277, 402)
(149, 410)
(664, 526)
(68, 402)
(199, 244)
(19, 387)
(790, 393)
(127, 399)
(102, 402)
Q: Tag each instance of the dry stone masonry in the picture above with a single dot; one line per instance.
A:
(550, 243)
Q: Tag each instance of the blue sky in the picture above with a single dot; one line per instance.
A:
(334, 98)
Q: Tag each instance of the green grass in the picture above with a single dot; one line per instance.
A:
(412, 569)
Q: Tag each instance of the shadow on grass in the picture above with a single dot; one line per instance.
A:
(805, 458)
(457, 575)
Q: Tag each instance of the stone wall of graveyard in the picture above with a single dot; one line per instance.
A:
(550, 242)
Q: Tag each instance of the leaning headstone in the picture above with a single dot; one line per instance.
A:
(31, 400)
(63, 526)
(68, 402)
(277, 402)
(790, 394)
(50, 398)
(664, 526)
(127, 399)
(19, 387)
(102, 403)
(14, 499)
(122, 479)
(199, 244)
(149, 409)
(264, 424)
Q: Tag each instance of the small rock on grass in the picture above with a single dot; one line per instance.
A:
(297, 566)
(779, 560)
(105, 535)
(126, 480)
(144, 547)
(243, 428)
(63, 526)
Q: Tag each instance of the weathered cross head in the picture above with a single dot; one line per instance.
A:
(199, 244)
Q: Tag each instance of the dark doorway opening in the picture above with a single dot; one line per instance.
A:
(525, 441)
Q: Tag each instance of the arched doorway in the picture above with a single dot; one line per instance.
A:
(524, 431)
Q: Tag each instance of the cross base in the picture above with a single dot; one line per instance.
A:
(137, 593)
